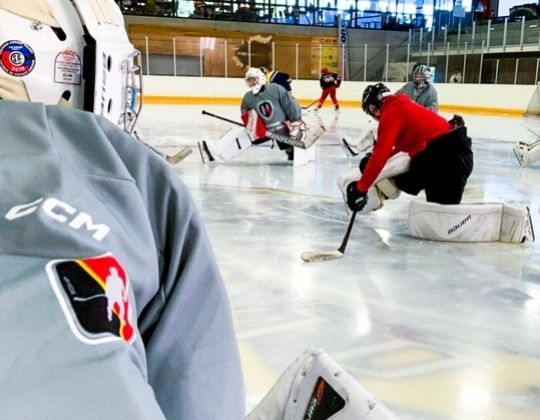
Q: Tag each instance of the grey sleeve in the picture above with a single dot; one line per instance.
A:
(433, 99)
(290, 107)
(428, 98)
(192, 355)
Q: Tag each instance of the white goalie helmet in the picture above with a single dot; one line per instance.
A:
(70, 52)
(255, 79)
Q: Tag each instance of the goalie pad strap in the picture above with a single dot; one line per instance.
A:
(469, 222)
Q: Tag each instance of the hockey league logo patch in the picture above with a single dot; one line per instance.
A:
(93, 294)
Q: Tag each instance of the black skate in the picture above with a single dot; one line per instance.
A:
(205, 153)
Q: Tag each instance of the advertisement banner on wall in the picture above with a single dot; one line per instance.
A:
(343, 43)
(324, 53)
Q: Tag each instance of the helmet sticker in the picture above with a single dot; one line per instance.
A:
(67, 68)
(17, 58)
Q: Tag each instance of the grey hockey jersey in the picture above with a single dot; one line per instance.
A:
(425, 96)
(112, 306)
(273, 105)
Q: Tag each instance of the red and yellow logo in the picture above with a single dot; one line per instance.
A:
(94, 295)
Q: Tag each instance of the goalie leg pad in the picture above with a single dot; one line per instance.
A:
(527, 152)
(229, 144)
(388, 188)
(516, 224)
(314, 131)
(366, 139)
(383, 186)
(396, 165)
(315, 386)
(375, 197)
(469, 222)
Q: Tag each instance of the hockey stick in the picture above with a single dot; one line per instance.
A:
(314, 256)
(311, 104)
(181, 155)
(291, 141)
(221, 118)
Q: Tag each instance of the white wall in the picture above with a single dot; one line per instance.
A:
(489, 98)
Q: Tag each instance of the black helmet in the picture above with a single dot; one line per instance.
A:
(373, 95)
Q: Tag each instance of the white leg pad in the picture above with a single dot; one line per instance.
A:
(383, 186)
(397, 164)
(314, 131)
(375, 197)
(388, 188)
(366, 139)
(229, 144)
(516, 224)
(527, 151)
(315, 386)
(469, 222)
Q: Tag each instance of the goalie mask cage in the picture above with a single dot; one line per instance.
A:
(533, 109)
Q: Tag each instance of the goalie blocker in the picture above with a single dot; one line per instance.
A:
(470, 222)
(315, 387)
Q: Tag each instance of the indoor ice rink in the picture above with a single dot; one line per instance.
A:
(436, 331)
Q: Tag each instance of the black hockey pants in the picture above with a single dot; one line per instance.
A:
(442, 169)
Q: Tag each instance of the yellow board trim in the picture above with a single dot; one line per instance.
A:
(191, 100)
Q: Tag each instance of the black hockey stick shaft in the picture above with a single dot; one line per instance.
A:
(221, 118)
(310, 105)
(347, 234)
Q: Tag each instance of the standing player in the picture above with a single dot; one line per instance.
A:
(275, 76)
(269, 113)
(329, 83)
(420, 89)
(112, 303)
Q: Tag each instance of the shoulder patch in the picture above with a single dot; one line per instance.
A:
(94, 296)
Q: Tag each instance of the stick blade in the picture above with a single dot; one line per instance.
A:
(181, 155)
(314, 256)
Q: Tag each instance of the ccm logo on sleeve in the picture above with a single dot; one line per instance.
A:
(61, 212)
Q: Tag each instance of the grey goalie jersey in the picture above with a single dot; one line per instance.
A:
(112, 306)
(273, 105)
(425, 96)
